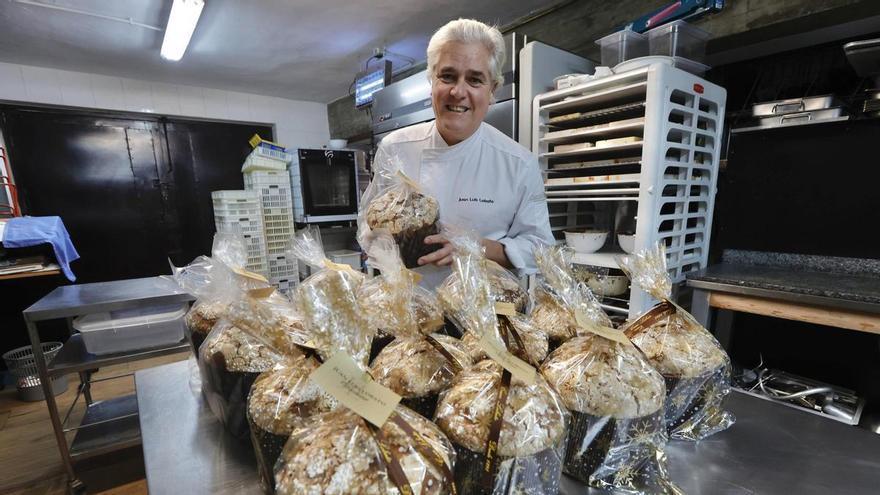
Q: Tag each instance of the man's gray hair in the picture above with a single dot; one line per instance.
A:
(470, 31)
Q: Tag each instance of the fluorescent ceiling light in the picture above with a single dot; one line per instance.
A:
(181, 24)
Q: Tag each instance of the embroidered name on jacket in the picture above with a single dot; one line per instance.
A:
(475, 200)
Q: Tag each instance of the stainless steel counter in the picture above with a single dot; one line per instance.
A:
(771, 449)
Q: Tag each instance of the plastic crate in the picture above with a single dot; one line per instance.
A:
(679, 39)
(622, 46)
(282, 266)
(236, 202)
(271, 152)
(272, 186)
(285, 284)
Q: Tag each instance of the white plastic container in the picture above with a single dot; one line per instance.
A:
(679, 39)
(132, 329)
(346, 257)
(621, 46)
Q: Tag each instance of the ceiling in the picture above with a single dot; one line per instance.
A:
(303, 49)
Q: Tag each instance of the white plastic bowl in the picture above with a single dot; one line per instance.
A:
(627, 242)
(586, 242)
(338, 144)
(610, 285)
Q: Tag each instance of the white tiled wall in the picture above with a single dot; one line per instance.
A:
(298, 124)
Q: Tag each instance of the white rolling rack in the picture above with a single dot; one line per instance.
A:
(661, 184)
(273, 189)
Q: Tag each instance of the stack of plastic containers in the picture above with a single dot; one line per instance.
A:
(265, 173)
(240, 212)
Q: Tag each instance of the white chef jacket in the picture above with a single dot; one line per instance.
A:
(487, 183)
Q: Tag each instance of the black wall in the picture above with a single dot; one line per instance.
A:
(809, 189)
(132, 190)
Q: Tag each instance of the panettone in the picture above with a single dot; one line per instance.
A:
(204, 315)
(678, 346)
(551, 317)
(240, 351)
(338, 455)
(597, 376)
(409, 216)
(282, 399)
(533, 418)
(414, 368)
(400, 211)
(533, 337)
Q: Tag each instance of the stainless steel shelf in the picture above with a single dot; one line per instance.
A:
(107, 426)
(73, 356)
(75, 300)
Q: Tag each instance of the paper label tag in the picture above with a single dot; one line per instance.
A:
(250, 275)
(337, 266)
(341, 377)
(608, 333)
(261, 293)
(520, 369)
(505, 308)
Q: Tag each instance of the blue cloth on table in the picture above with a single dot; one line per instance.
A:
(31, 231)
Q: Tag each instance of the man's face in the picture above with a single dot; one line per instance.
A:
(461, 88)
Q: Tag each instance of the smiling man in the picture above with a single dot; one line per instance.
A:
(482, 179)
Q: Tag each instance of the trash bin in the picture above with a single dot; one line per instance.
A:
(21, 364)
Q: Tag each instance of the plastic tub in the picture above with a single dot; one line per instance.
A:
(621, 46)
(679, 39)
(346, 257)
(132, 329)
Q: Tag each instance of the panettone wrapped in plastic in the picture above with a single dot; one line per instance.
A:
(229, 362)
(327, 302)
(393, 302)
(617, 433)
(503, 287)
(534, 339)
(396, 203)
(521, 449)
(531, 446)
(695, 367)
(420, 368)
(282, 400)
(274, 320)
(340, 454)
(559, 294)
(215, 284)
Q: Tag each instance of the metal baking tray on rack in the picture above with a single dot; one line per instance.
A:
(837, 114)
(580, 119)
(794, 105)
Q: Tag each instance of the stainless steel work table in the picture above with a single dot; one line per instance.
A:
(771, 449)
(107, 425)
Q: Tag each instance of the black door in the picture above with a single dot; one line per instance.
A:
(205, 157)
(132, 191)
(101, 176)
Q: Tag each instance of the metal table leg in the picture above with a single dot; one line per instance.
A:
(86, 384)
(723, 327)
(74, 485)
(700, 306)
